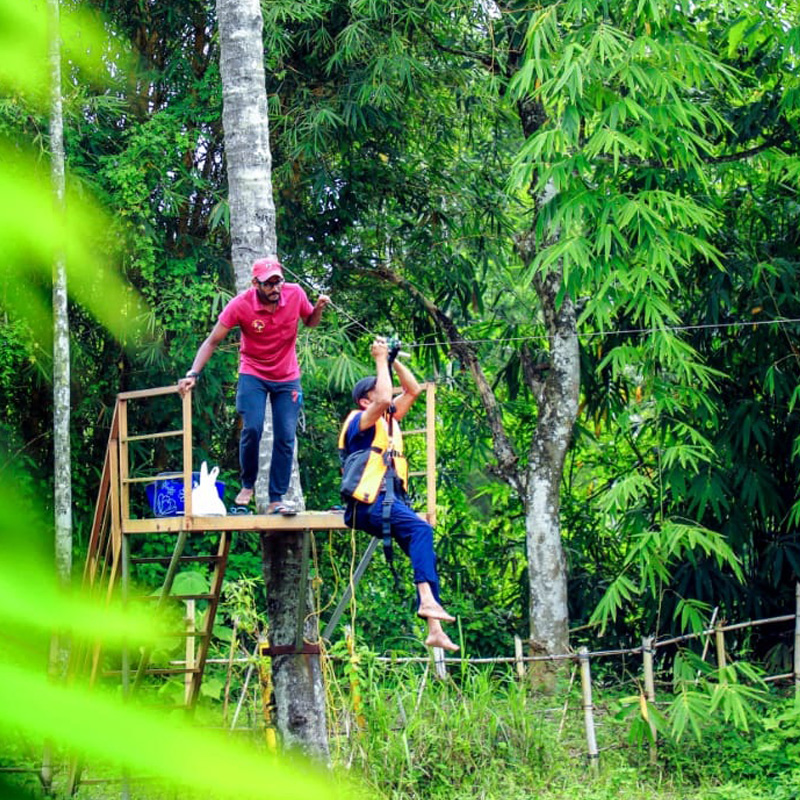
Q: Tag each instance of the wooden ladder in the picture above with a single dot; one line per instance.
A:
(107, 573)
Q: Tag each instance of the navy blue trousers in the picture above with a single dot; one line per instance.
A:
(286, 399)
(414, 535)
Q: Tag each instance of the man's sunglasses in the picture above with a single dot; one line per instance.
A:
(271, 284)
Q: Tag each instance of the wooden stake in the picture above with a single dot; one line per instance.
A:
(186, 410)
(229, 673)
(355, 684)
(518, 658)
(650, 693)
(439, 666)
(124, 462)
(190, 647)
(588, 708)
(722, 661)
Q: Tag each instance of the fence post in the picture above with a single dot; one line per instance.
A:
(650, 693)
(797, 643)
(722, 661)
(190, 649)
(588, 708)
(440, 668)
(518, 657)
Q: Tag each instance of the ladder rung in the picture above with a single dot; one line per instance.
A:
(154, 479)
(415, 431)
(417, 474)
(178, 597)
(157, 671)
(156, 392)
(168, 559)
(172, 671)
(139, 437)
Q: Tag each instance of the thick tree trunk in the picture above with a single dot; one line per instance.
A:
(297, 679)
(557, 391)
(245, 122)
(558, 394)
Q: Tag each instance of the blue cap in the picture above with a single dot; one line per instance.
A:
(363, 387)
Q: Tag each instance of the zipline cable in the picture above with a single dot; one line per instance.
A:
(545, 337)
(619, 332)
(333, 305)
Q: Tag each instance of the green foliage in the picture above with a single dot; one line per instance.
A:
(35, 708)
(398, 143)
(98, 725)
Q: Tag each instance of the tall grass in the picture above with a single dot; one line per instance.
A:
(481, 733)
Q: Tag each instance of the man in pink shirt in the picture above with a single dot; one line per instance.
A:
(267, 315)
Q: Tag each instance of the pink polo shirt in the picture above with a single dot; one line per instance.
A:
(267, 347)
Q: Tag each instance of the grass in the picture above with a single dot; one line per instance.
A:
(483, 734)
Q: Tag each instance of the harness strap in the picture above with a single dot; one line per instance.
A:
(388, 501)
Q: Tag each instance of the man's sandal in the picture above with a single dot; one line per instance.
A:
(282, 509)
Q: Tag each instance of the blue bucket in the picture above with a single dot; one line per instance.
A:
(166, 496)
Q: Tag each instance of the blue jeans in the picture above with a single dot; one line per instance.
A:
(286, 399)
(414, 535)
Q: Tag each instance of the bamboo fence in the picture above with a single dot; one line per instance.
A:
(647, 651)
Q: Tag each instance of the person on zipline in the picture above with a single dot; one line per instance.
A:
(375, 482)
(267, 315)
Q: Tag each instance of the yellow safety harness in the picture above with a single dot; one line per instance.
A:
(366, 473)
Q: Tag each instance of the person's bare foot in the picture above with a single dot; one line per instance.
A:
(244, 497)
(434, 611)
(441, 639)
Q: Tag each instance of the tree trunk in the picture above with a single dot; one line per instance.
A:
(62, 469)
(245, 122)
(557, 392)
(297, 679)
(558, 395)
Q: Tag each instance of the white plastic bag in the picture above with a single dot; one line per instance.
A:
(205, 500)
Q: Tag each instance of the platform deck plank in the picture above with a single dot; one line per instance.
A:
(305, 521)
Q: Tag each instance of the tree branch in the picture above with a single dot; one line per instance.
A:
(507, 459)
(490, 62)
(773, 141)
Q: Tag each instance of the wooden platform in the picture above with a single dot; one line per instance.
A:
(306, 521)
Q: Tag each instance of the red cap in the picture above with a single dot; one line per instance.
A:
(266, 268)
